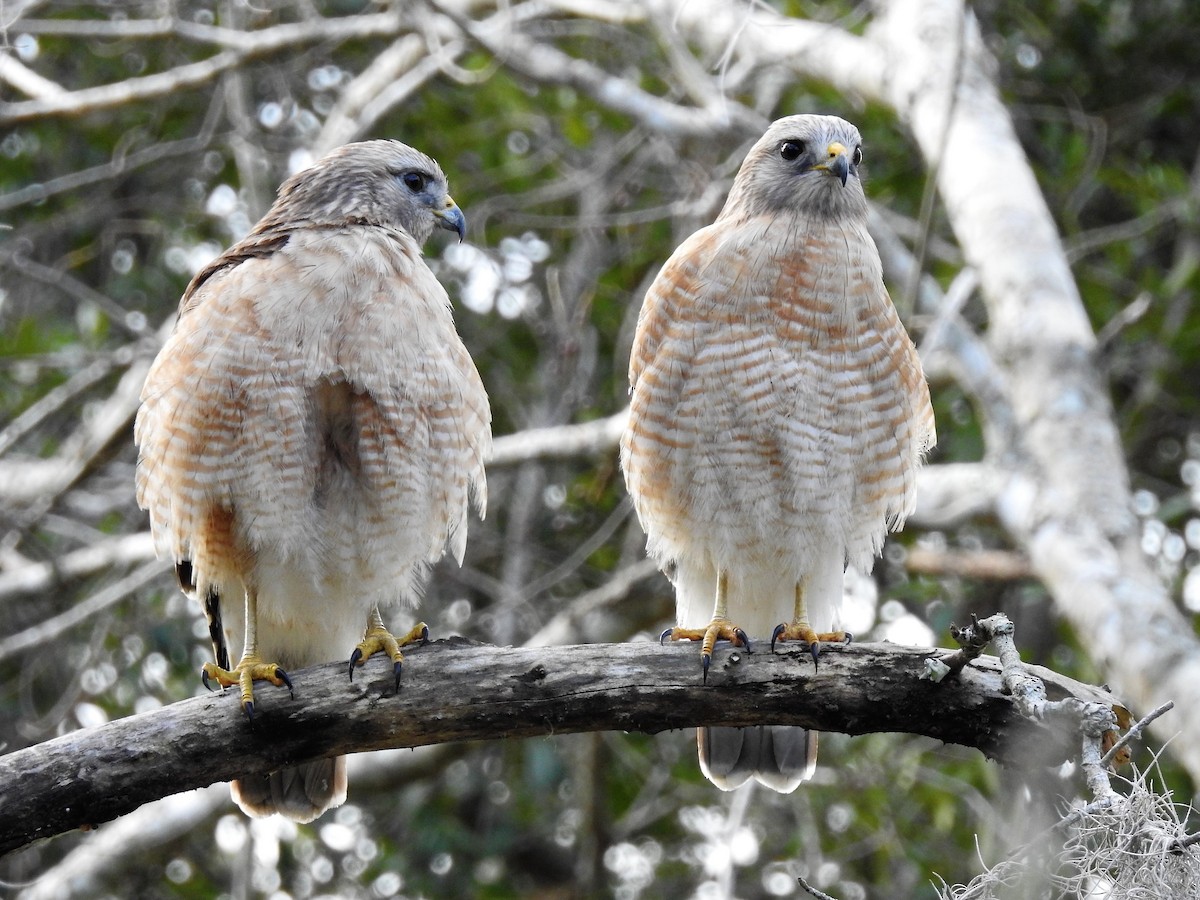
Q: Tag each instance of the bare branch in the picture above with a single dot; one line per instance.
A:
(125, 162)
(952, 493)
(98, 28)
(153, 825)
(992, 565)
(763, 37)
(456, 690)
(548, 64)
(162, 821)
(26, 80)
(615, 13)
(54, 400)
(44, 633)
(35, 578)
(243, 47)
(131, 90)
(565, 624)
(39, 481)
(812, 891)
(359, 104)
(1134, 733)
(559, 441)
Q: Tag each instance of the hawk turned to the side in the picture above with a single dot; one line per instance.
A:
(779, 414)
(313, 434)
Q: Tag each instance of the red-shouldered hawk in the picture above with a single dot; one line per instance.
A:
(313, 433)
(779, 415)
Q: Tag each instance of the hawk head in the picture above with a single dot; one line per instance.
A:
(372, 183)
(807, 164)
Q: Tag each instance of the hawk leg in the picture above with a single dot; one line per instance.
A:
(251, 668)
(800, 630)
(377, 638)
(719, 629)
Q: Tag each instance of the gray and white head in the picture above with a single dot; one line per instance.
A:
(804, 163)
(371, 183)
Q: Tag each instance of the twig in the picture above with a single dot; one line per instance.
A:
(35, 193)
(80, 290)
(44, 633)
(1029, 691)
(562, 626)
(54, 400)
(579, 555)
(121, 93)
(1090, 719)
(1134, 732)
(972, 639)
(1132, 312)
(819, 894)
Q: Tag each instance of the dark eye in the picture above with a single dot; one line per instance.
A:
(414, 181)
(790, 150)
(857, 157)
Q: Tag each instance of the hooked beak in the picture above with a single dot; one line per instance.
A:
(451, 218)
(837, 162)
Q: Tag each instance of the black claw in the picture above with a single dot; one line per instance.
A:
(849, 638)
(248, 709)
(705, 659)
(425, 635)
(662, 637)
(354, 658)
(815, 649)
(283, 676)
(779, 629)
(204, 678)
(741, 636)
(396, 670)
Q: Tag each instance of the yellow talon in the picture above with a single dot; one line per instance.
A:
(377, 638)
(719, 629)
(802, 631)
(244, 674)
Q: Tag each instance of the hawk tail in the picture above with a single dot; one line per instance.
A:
(300, 793)
(778, 756)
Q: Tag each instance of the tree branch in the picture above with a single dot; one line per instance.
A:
(108, 851)
(544, 63)
(457, 690)
(243, 47)
(17, 75)
(37, 577)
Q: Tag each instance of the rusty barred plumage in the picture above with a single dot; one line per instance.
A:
(313, 433)
(779, 414)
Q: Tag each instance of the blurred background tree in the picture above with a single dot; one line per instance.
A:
(583, 141)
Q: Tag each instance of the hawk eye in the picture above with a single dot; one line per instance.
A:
(790, 150)
(857, 158)
(414, 181)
